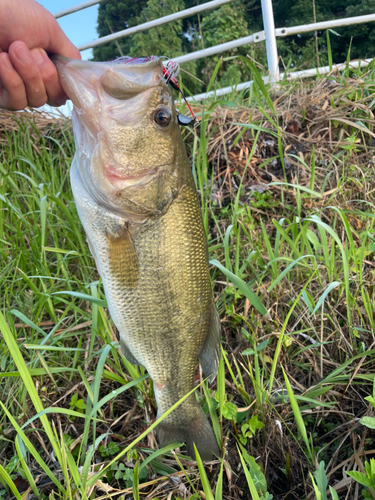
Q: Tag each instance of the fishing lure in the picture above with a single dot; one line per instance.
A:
(170, 71)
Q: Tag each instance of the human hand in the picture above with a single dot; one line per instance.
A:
(27, 76)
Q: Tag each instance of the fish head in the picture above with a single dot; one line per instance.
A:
(126, 131)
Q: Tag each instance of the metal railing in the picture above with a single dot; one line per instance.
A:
(269, 35)
(156, 22)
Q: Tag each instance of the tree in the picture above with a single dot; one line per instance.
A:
(220, 26)
(113, 16)
(161, 40)
(301, 50)
(231, 21)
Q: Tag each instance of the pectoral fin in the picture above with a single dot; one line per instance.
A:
(209, 356)
(123, 260)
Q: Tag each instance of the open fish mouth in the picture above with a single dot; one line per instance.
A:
(118, 79)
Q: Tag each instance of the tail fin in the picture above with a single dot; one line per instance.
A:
(197, 431)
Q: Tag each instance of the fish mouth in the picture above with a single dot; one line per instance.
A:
(79, 63)
(125, 180)
(118, 79)
(92, 86)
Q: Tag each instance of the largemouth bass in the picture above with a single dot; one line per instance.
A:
(137, 201)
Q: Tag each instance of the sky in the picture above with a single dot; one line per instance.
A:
(79, 27)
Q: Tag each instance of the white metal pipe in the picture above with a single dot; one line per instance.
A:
(156, 22)
(76, 8)
(216, 49)
(290, 76)
(258, 37)
(306, 73)
(304, 28)
(271, 45)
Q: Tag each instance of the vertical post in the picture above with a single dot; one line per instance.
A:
(271, 44)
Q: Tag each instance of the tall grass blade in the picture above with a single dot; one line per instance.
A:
(203, 476)
(157, 453)
(215, 421)
(101, 473)
(334, 235)
(329, 52)
(21, 452)
(136, 482)
(286, 271)
(281, 336)
(219, 483)
(241, 285)
(250, 482)
(298, 417)
(8, 482)
(322, 298)
(27, 380)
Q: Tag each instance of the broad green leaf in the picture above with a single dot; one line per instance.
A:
(368, 422)
(321, 480)
(361, 479)
(249, 479)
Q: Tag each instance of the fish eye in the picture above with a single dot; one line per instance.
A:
(162, 117)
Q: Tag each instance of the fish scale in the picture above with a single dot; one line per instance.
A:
(146, 234)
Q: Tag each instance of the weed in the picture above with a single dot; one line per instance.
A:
(285, 180)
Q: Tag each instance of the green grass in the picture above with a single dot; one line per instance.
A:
(290, 224)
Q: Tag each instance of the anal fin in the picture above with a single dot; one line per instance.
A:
(209, 356)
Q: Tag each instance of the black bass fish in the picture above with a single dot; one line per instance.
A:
(136, 198)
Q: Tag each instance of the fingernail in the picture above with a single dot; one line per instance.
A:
(38, 57)
(23, 54)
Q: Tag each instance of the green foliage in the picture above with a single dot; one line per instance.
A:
(230, 411)
(321, 481)
(77, 404)
(125, 474)
(113, 16)
(366, 479)
(165, 39)
(249, 428)
(220, 26)
(13, 467)
(230, 22)
(370, 421)
(301, 49)
(254, 476)
(302, 257)
(108, 451)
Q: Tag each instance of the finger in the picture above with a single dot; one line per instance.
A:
(56, 95)
(13, 92)
(27, 69)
